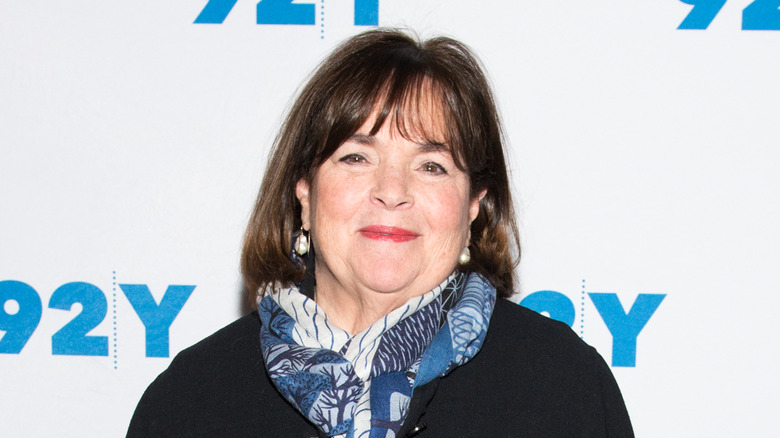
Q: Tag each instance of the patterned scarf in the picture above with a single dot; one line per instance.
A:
(360, 386)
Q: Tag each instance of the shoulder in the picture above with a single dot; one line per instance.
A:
(238, 340)
(535, 377)
(522, 342)
(219, 362)
(217, 387)
(529, 333)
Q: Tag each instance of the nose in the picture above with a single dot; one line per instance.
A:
(391, 187)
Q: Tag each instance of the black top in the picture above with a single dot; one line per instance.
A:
(533, 378)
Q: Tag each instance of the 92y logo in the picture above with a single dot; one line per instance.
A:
(758, 15)
(623, 326)
(21, 310)
(286, 12)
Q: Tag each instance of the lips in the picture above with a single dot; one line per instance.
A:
(389, 234)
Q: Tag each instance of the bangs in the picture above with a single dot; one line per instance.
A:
(407, 96)
(415, 109)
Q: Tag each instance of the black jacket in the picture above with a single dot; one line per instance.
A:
(533, 378)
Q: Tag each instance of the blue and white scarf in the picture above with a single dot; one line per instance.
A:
(360, 386)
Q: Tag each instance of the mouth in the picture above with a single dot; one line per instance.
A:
(389, 234)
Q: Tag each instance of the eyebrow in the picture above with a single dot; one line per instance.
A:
(370, 140)
(433, 147)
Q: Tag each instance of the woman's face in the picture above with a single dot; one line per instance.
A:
(387, 215)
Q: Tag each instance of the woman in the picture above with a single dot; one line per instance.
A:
(387, 319)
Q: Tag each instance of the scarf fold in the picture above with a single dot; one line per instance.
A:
(361, 385)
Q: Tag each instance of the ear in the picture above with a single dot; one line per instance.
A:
(474, 205)
(474, 211)
(302, 193)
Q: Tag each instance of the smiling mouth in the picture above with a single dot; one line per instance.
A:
(389, 234)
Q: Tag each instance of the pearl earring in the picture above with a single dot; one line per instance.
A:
(465, 256)
(302, 243)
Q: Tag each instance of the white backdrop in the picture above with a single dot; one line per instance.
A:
(644, 161)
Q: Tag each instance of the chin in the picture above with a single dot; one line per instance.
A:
(387, 281)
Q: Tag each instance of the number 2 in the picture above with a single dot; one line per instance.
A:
(762, 15)
(284, 12)
(72, 339)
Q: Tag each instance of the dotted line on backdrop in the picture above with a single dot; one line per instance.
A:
(113, 288)
(582, 311)
(322, 19)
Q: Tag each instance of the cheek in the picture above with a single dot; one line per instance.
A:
(448, 213)
(333, 205)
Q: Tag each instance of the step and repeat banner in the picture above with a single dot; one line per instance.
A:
(644, 145)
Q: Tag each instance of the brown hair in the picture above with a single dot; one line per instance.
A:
(397, 76)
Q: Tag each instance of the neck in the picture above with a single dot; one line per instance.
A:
(354, 311)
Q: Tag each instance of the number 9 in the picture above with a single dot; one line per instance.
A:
(20, 325)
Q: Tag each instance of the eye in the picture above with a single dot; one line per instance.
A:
(353, 159)
(434, 168)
